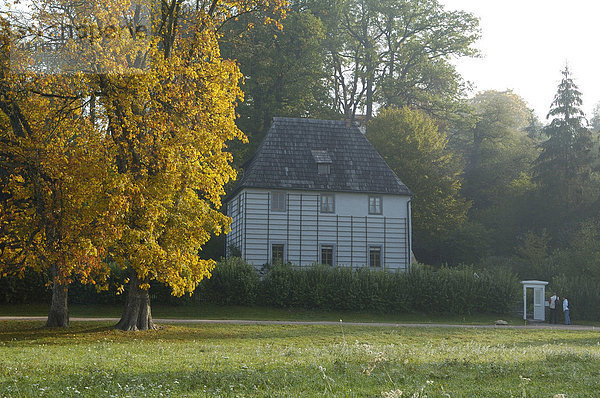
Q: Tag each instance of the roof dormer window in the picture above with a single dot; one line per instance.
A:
(323, 161)
(323, 168)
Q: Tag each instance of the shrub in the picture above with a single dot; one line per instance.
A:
(448, 290)
(233, 282)
(459, 290)
(32, 287)
(583, 295)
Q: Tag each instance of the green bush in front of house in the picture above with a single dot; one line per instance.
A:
(448, 290)
(233, 282)
(462, 290)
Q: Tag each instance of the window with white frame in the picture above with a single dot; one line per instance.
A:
(327, 203)
(327, 254)
(375, 256)
(278, 200)
(375, 205)
(277, 253)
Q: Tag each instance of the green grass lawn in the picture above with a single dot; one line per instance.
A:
(90, 359)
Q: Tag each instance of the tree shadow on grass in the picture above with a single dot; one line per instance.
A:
(34, 331)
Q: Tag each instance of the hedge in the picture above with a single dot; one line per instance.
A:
(448, 290)
(461, 290)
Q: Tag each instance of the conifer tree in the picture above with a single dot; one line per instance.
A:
(565, 163)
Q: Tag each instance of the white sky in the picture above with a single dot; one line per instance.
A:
(526, 43)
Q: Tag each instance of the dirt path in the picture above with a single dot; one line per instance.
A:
(375, 324)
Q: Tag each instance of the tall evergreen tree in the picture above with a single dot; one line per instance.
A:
(565, 163)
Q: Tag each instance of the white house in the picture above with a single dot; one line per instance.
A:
(316, 191)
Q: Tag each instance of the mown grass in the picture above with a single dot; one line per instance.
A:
(92, 360)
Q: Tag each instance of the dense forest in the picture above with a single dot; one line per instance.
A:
(493, 184)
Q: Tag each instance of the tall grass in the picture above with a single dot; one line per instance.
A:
(93, 360)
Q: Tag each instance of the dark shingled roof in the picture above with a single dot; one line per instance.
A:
(288, 156)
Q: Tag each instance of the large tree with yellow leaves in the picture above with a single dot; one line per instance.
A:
(169, 126)
(163, 107)
(53, 217)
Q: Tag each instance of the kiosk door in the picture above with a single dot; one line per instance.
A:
(539, 310)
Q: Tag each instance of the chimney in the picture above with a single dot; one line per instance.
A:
(359, 121)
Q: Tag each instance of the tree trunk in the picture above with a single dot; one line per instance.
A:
(59, 309)
(369, 98)
(136, 314)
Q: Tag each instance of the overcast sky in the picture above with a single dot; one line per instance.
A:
(526, 43)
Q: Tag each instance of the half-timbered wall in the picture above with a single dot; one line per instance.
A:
(303, 229)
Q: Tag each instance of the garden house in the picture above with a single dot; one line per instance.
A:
(316, 191)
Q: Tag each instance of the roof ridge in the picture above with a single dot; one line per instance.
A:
(307, 120)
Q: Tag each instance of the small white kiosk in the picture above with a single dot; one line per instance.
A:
(539, 299)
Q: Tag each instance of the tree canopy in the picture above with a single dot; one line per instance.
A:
(497, 148)
(411, 144)
(397, 53)
(283, 69)
(54, 218)
(565, 163)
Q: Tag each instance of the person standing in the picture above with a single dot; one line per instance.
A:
(553, 308)
(566, 311)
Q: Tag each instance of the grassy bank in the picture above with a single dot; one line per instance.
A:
(92, 360)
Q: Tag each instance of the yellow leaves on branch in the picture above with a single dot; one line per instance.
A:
(223, 10)
(137, 174)
(51, 206)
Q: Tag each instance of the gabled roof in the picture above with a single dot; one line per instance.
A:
(287, 159)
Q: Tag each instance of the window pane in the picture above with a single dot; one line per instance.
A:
(374, 204)
(278, 201)
(277, 253)
(375, 256)
(327, 203)
(327, 255)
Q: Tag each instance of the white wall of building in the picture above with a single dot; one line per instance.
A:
(303, 228)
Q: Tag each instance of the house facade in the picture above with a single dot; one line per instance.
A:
(316, 191)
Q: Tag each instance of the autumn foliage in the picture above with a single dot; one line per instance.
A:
(53, 167)
(121, 154)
